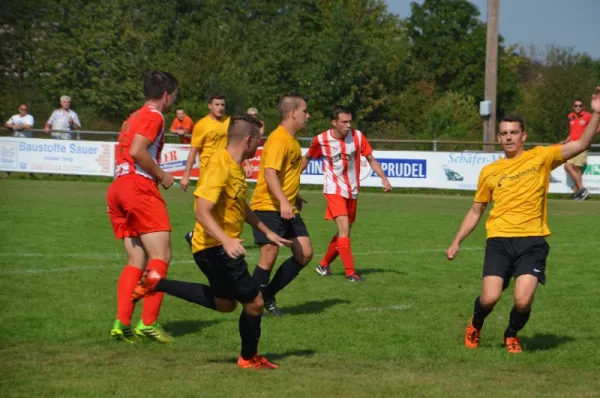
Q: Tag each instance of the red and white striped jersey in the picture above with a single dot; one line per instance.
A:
(148, 122)
(341, 161)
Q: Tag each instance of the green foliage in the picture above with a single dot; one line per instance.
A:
(413, 78)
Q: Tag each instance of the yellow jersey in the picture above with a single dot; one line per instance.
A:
(224, 185)
(281, 152)
(519, 189)
(209, 135)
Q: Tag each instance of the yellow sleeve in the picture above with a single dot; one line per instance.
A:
(198, 135)
(274, 153)
(552, 156)
(214, 182)
(484, 193)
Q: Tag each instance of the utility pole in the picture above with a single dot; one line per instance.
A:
(491, 72)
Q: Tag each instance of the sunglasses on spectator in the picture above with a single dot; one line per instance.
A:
(22, 109)
(578, 106)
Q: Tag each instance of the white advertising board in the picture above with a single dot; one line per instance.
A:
(405, 169)
(57, 156)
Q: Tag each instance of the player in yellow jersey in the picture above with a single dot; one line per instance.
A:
(517, 224)
(208, 136)
(221, 210)
(277, 203)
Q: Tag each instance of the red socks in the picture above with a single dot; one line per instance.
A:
(332, 252)
(127, 282)
(152, 303)
(343, 245)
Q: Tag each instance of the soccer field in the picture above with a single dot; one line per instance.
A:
(398, 334)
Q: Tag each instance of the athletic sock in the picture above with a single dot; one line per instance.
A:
(250, 333)
(152, 303)
(127, 282)
(479, 314)
(196, 293)
(517, 322)
(331, 254)
(343, 245)
(284, 275)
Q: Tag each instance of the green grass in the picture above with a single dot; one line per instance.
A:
(398, 334)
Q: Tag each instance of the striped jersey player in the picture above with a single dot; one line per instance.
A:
(340, 149)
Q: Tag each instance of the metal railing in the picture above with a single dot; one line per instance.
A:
(381, 143)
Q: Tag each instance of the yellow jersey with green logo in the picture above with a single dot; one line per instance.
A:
(518, 188)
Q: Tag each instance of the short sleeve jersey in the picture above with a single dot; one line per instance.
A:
(282, 153)
(519, 189)
(341, 161)
(148, 122)
(225, 186)
(577, 124)
(209, 135)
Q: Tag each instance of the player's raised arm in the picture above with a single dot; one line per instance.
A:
(574, 148)
(139, 152)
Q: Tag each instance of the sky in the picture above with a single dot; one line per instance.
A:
(565, 23)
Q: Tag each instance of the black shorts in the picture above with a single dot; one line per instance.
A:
(228, 277)
(288, 229)
(513, 257)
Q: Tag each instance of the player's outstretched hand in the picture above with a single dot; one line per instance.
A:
(300, 201)
(167, 180)
(452, 251)
(234, 248)
(387, 187)
(278, 240)
(184, 182)
(287, 211)
(595, 105)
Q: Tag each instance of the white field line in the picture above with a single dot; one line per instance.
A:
(252, 253)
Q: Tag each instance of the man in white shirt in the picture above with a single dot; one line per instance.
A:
(20, 123)
(63, 119)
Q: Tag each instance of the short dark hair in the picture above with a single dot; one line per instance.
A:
(288, 102)
(233, 131)
(21, 104)
(157, 83)
(214, 96)
(514, 119)
(335, 112)
(578, 100)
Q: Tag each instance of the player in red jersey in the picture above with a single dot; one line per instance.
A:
(137, 210)
(341, 148)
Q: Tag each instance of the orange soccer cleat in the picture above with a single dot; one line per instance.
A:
(472, 336)
(146, 285)
(512, 345)
(256, 362)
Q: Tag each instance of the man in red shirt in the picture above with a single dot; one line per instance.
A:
(578, 120)
(182, 126)
(138, 212)
(341, 148)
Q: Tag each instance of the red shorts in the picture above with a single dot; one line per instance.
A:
(136, 207)
(339, 206)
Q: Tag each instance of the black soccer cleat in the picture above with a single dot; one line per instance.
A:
(271, 308)
(355, 278)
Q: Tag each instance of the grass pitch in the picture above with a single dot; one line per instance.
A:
(398, 334)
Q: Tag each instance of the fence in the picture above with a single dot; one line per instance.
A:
(411, 169)
(378, 143)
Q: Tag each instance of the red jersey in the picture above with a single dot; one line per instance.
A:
(341, 161)
(577, 124)
(148, 122)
